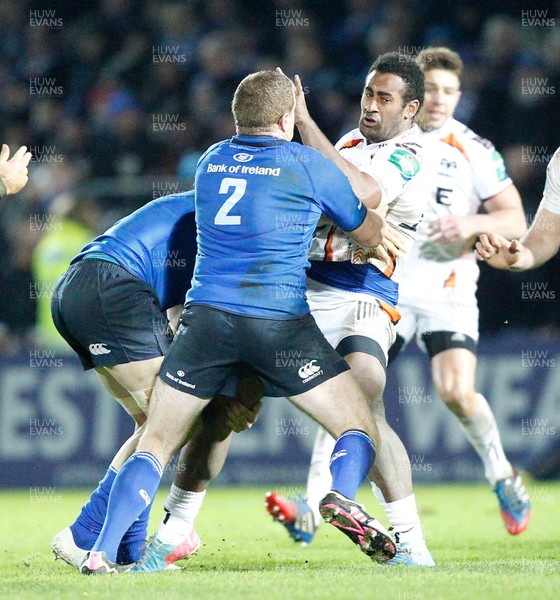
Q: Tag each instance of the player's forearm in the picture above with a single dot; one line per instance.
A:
(174, 316)
(509, 222)
(538, 246)
(370, 232)
(3, 190)
(525, 260)
(365, 187)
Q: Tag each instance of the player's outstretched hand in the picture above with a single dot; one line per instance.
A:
(13, 171)
(301, 106)
(497, 251)
(239, 417)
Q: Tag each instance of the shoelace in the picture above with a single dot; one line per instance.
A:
(153, 545)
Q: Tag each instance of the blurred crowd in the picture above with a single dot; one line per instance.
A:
(117, 99)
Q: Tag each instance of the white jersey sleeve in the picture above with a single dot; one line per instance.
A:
(396, 165)
(393, 172)
(489, 175)
(391, 165)
(551, 194)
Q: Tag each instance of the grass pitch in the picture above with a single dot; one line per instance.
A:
(245, 555)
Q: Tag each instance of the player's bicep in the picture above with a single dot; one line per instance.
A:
(336, 199)
(345, 210)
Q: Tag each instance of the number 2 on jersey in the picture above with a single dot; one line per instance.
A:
(239, 186)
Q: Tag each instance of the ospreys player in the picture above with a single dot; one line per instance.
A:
(353, 291)
(437, 296)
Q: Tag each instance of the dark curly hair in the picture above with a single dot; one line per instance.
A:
(405, 67)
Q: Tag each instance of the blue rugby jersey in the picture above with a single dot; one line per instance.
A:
(157, 243)
(258, 201)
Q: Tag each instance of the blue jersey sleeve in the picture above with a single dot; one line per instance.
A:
(157, 243)
(333, 192)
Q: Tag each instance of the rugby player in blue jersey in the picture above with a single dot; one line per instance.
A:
(236, 312)
(110, 306)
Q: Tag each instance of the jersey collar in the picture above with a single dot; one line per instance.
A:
(448, 127)
(257, 140)
(409, 135)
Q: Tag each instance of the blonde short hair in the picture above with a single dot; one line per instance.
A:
(260, 100)
(440, 58)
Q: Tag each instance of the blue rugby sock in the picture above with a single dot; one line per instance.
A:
(89, 522)
(351, 460)
(132, 492)
(130, 552)
(134, 540)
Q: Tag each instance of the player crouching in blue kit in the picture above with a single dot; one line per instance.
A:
(110, 306)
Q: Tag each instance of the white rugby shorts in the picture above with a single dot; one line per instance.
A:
(438, 296)
(341, 314)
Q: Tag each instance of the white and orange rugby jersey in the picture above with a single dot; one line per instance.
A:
(395, 164)
(463, 170)
(551, 194)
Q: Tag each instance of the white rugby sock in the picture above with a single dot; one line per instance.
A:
(183, 508)
(319, 478)
(403, 518)
(482, 432)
